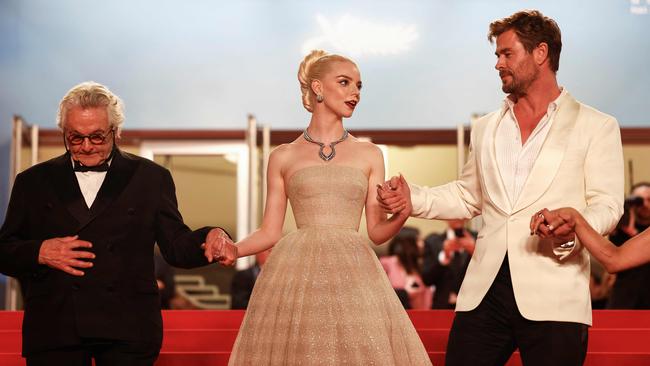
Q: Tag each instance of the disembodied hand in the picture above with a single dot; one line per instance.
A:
(63, 254)
(394, 196)
(215, 244)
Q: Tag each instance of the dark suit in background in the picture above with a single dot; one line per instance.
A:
(243, 282)
(446, 278)
(242, 285)
(165, 280)
(632, 287)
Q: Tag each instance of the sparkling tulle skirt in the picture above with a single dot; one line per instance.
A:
(322, 298)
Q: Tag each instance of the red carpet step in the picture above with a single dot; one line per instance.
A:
(197, 338)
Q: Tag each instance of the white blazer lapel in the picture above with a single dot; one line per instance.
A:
(492, 181)
(550, 156)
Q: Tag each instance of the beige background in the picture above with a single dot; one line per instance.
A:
(206, 185)
(206, 188)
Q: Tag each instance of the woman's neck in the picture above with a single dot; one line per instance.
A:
(325, 130)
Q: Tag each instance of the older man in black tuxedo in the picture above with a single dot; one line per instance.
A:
(79, 235)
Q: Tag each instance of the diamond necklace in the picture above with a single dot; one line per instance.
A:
(321, 153)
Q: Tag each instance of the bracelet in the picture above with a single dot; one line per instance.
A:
(568, 244)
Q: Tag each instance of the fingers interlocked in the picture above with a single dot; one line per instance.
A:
(219, 247)
(547, 223)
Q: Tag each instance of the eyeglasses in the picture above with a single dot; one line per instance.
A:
(94, 138)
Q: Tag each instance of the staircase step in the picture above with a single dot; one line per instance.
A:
(11, 320)
(202, 319)
(222, 340)
(231, 319)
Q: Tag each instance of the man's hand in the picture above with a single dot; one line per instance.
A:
(467, 242)
(216, 248)
(557, 224)
(450, 246)
(62, 254)
(394, 196)
(630, 229)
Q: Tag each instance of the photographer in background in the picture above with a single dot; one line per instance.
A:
(631, 290)
(446, 257)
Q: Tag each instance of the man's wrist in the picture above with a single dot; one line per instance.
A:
(568, 244)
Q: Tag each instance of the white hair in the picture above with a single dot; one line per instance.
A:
(90, 94)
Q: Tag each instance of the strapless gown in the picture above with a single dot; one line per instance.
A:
(322, 298)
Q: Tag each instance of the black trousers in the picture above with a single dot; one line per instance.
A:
(489, 334)
(105, 353)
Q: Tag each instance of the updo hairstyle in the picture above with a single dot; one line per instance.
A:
(313, 67)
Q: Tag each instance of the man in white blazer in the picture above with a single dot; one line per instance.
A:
(542, 148)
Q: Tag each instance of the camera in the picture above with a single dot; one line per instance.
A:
(633, 201)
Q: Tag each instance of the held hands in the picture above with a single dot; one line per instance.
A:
(218, 247)
(394, 196)
(62, 254)
(557, 224)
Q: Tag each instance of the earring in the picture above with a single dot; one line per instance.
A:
(319, 98)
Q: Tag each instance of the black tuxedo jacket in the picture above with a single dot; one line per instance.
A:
(117, 298)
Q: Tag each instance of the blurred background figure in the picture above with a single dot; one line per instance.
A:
(164, 279)
(446, 257)
(244, 280)
(601, 283)
(402, 265)
(631, 290)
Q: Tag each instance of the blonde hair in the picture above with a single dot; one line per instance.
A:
(313, 67)
(90, 94)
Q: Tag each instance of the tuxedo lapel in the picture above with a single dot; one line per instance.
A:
(489, 166)
(551, 155)
(118, 176)
(66, 187)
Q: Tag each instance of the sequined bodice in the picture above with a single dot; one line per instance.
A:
(327, 195)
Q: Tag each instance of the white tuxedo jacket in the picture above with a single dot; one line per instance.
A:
(580, 165)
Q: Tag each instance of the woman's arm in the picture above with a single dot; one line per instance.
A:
(381, 228)
(276, 204)
(632, 253)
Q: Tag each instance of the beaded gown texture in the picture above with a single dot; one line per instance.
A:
(322, 297)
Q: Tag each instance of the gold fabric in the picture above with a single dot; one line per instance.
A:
(322, 298)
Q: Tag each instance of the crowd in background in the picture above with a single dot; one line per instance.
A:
(427, 272)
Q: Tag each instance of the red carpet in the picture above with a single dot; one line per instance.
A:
(205, 338)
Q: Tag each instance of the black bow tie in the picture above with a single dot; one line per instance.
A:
(97, 168)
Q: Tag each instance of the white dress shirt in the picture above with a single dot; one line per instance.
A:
(90, 183)
(514, 159)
